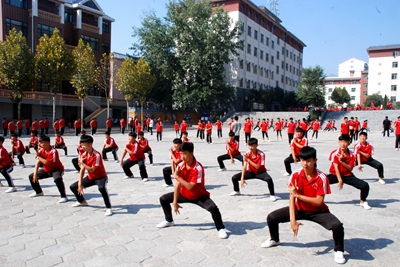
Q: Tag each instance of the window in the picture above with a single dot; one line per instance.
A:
(393, 99)
(365, 85)
(256, 18)
(329, 98)
(262, 38)
(68, 16)
(266, 57)
(272, 75)
(283, 51)
(255, 69)
(242, 8)
(290, 68)
(294, 57)
(242, 28)
(19, 26)
(365, 93)
(241, 42)
(18, 3)
(248, 66)
(241, 82)
(394, 76)
(106, 27)
(256, 35)
(248, 48)
(93, 42)
(283, 65)
(366, 77)
(255, 51)
(282, 79)
(241, 63)
(394, 64)
(273, 44)
(44, 29)
(105, 48)
(267, 74)
(277, 69)
(277, 40)
(272, 59)
(249, 13)
(393, 88)
(290, 54)
(248, 84)
(249, 30)
(261, 72)
(395, 53)
(353, 97)
(261, 54)
(353, 90)
(262, 23)
(277, 55)
(330, 82)
(267, 41)
(330, 90)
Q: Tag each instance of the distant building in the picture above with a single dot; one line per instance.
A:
(384, 74)
(271, 56)
(351, 78)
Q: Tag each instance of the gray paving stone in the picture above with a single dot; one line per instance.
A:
(45, 260)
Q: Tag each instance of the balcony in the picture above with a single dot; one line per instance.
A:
(89, 28)
(42, 96)
(47, 16)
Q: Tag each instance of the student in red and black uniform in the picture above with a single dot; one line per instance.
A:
(185, 138)
(253, 168)
(41, 125)
(175, 160)
(47, 157)
(356, 128)
(59, 143)
(33, 142)
(199, 126)
(364, 151)
(396, 125)
(343, 161)
(189, 188)
(344, 127)
(108, 125)
(209, 127)
(297, 143)
(232, 152)
(144, 145)
(5, 127)
(11, 127)
(304, 127)
(93, 126)
(278, 128)
(79, 149)
(6, 167)
(159, 129)
(96, 175)
(17, 149)
(19, 127)
(28, 126)
(184, 127)
(35, 126)
(364, 126)
(176, 128)
(122, 124)
(316, 125)
(136, 156)
(258, 123)
(308, 187)
(138, 128)
(109, 146)
(46, 126)
(264, 130)
(62, 126)
(218, 125)
(78, 127)
(291, 127)
(56, 126)
(247, 128)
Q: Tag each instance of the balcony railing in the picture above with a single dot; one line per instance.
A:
(44, 96)
(89, 28)
(47, 16)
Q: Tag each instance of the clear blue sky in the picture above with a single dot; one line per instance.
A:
(333, 30)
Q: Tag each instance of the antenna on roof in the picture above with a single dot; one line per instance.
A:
(274, 6)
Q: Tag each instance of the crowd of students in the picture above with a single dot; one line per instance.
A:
(308, 186)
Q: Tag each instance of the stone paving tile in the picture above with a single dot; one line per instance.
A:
(85, 237)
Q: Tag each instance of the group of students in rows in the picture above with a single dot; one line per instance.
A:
(38, 127)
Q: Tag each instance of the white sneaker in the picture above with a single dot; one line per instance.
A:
(80, 204)
(11, 190)
(128, 177)
(168, 185)
(339, 258)
(222, 234)
(23, 166)
(117, 161)
(235, 193)
(222, 170)
(145, 180)
(63, 200)
(365, 205)
(34, 194)
(76, 171)
(272, 198)
(397, 149)
(165, 224)
(270, 243)
(109, 212)
(286, 174)
(381, 181)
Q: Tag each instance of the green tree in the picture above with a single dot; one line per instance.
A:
(104, 76)
(144, 82)
(86, 73)
(312, 87)
(16, 66)
(53, 63)
(340, 95)
(125, 80)
(374, 98)
(196, 41)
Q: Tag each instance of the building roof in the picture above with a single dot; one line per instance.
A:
(90, 6)
(342, 78)
(383, 47)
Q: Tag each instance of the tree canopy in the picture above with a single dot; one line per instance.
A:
(192, 45)
(312, 87)
(340, 95)
(16, 66)
(374, 98)
(124, 79)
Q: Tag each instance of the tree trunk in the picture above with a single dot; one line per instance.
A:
(108, 108)
(19, 110)
(54, 106)
(141, 117)
(82, 122)
(127, 112)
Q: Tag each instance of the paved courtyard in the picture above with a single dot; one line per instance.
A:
(42, 232)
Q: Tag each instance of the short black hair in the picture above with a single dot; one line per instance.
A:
(86, 139)
(58, 132)
(1, 138)
(107, 133)
(14, 135)
(364, 133)
(344, 137)
(134, 135)
(44, 138)
(187, 146)
(307, 152)
(231, 133)
(236, 117)
(298, 129)
(141, 133)
(177, 141)
(184, 133)
(252, 141)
